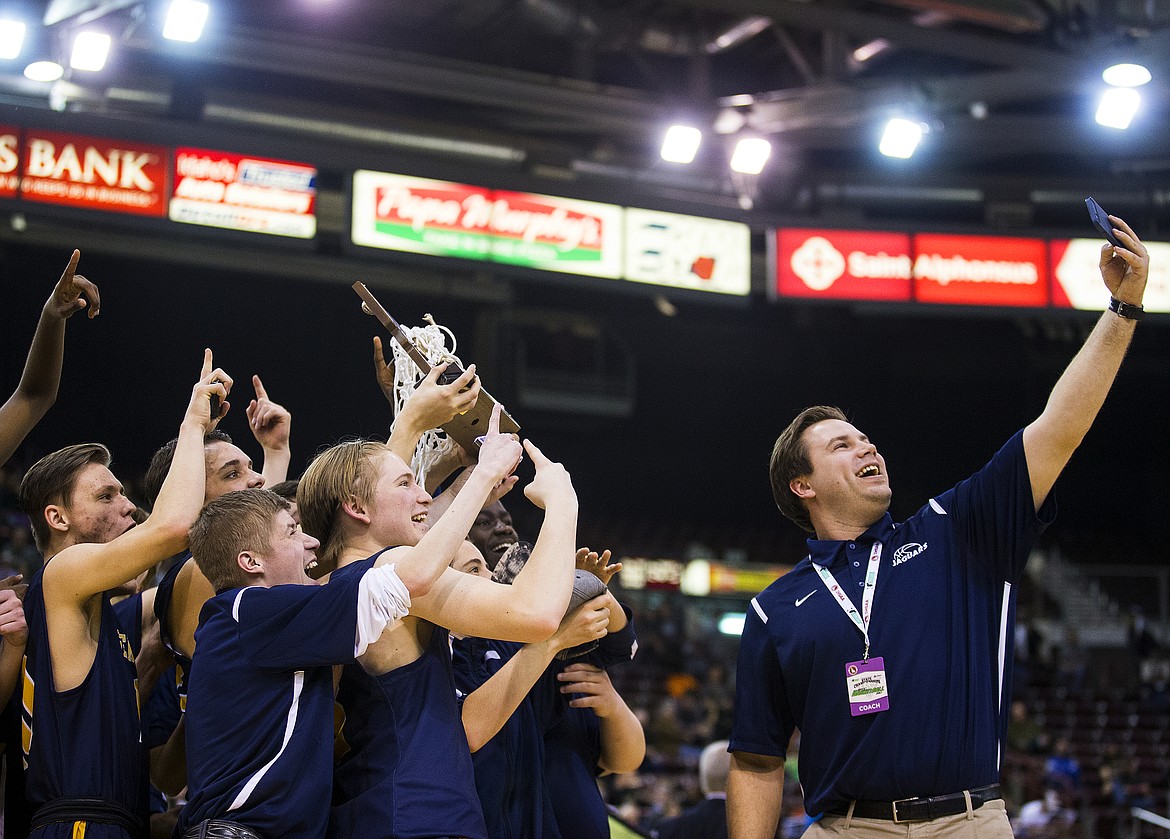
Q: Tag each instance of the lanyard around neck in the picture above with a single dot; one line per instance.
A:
(861, 621)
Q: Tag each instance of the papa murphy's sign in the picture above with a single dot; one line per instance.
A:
(240, 192)
(419, 215)
(1077, 284)
(843, 264)
(96, 173)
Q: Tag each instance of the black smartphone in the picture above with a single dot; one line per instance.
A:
(215, 401)
(1101, 222)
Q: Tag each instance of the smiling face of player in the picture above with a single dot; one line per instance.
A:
(493, 533)
(398, 506)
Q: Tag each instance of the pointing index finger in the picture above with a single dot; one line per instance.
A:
(261, 393)
(207, 367)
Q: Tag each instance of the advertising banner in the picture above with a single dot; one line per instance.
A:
(243, 192)
(95, 173)
(9, 161)
(420, 215)
(688, 252)
(980, 270)
(1076, 275)
(843, 264)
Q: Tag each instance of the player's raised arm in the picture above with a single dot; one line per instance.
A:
(1051, 439)
(270, 424)
(37, 390)
(83, 570)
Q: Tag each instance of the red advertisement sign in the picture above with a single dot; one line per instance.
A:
(843, 264)
(980, 270)
(9, 161)
(242, 192)
(94, 172)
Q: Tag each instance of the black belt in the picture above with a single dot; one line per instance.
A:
(920, 809)
(87, 810)
(220, 829)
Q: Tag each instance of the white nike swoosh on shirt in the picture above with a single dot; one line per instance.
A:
(806, 597)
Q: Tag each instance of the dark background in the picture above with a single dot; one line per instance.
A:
(937, 391)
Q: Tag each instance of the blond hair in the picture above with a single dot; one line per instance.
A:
(336, 475)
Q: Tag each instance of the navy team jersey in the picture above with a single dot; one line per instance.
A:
(85, 742)
(153, 708)
(572, 748)
(163, 599)
(943, 615)
(408, 771)
(260, 717)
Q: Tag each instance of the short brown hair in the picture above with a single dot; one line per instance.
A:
(51, 480)
(286, 490)
(336, 475)
(160, 463)
(790, 460)
(236, 521)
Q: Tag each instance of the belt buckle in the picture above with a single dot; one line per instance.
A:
(895, 804)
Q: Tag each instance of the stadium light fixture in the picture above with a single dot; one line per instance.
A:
(44, 71)
(185, 20)
(751, 155)
(1118, 107)
(11, 38)
(90, 51)
(731, 623)
(681, 143)
(1126, 75)
(901, 138)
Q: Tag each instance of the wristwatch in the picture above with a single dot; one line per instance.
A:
(1129, 311)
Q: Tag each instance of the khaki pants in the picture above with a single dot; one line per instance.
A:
(988, 822)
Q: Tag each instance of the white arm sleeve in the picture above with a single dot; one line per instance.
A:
(382, 599)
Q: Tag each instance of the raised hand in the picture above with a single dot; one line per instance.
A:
(1125, 269)
(588, 622)
(598, 566)
(67, 296)
(270, 422)
(212, 382)
(383, 370)
(593, 683)
(433, 404)
(552, 480)
(499, 454)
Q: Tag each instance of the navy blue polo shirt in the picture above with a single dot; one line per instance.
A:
(943, 615)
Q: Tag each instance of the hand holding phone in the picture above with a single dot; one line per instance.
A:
(1101, 222)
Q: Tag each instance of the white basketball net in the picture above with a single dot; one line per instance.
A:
(431, 341)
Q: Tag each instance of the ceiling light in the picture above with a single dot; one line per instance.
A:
(1126, 75)
(750, 155)
(11, 38)
(185, 20)
(901, 137)
(681, 143)
(1118, 107)
(44, 71)
(868, 50)
(90, 51)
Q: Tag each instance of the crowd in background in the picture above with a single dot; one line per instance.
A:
(1059, 781)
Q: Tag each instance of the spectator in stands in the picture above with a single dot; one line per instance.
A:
(1061, 770)
(1049, 817)
(1024, 734)
(708, 818)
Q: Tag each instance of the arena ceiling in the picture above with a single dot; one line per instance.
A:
(583, 90)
